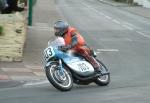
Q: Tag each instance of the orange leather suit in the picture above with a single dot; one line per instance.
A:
(80, 45)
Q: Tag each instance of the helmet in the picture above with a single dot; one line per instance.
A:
(61, 28)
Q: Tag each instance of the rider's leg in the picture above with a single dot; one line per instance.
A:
(86, 54)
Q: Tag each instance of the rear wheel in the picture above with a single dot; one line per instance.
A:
(104, 79)
(61, 81)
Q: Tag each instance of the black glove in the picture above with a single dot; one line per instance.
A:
(64, 48)
(93, 53)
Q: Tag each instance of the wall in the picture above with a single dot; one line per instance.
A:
(12, 42)
(145, 3)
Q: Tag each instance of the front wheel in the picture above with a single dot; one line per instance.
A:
(104, 79)
(60, 81)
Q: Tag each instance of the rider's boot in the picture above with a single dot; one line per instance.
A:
(96, 65)
(100, 71)
(97, 68)
(93, 61)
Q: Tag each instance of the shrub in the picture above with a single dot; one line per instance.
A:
(1, 30)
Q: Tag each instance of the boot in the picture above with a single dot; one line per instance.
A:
(97, 68)
(95, 64)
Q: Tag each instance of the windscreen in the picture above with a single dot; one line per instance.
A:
(59, 41)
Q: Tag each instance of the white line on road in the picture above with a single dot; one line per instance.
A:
(101, 13)
(131, 25)
(147, 36)
(97, 52)
(128, 27)
(85, 4)
(125, 24)
(41, 28)
(108, 17)
(115, 39)
(116, 21)
(108, 50)
(36, 83)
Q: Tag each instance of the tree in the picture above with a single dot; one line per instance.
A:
(127, 1)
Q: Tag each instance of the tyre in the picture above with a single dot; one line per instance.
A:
(61, 82)
(104, 79)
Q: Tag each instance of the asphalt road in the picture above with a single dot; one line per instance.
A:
(121, 40)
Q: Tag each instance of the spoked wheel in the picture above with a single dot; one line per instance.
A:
(61, 81)
(104, 79)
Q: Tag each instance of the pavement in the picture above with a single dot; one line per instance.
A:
(138, 10)
(113, 3)
(135, 9)
(30, 72)
(31, 68)
(44, 16)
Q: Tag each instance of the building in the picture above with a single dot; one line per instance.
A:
(144, 3)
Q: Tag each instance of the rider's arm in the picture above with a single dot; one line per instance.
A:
(74, 40)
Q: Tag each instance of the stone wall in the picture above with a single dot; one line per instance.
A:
(13, 40)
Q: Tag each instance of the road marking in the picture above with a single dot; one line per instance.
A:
(108, 50)
(97, 52)
(147, 36)
(85, 4)
(116, 21)
(129, 24)
(108, 17)
(36, 83)
(101, 13)
(41, 28)
(66, 5)
(116, 40)
(4, 77)
(25, 70)
(128, 27)
(41, 24)
(126, 24)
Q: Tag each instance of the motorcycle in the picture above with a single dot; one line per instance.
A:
(65, 68)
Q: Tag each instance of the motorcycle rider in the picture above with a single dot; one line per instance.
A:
(74, 40)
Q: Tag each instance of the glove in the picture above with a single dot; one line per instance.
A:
(93, 53)
(64, 48)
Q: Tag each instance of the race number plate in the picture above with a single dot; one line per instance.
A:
(83, 67)
(48, 53)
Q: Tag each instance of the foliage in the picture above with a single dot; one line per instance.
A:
(1, 30)
(127, 1)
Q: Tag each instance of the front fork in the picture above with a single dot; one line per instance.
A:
(61, 69)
